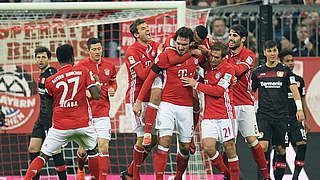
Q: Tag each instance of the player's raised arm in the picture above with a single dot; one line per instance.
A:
(95, 90)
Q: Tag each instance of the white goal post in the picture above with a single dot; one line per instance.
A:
(179, 5)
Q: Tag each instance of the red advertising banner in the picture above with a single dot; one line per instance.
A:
(309, 69)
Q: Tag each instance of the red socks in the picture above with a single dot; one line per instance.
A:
(182, 163)
(81, 161)
(35, 167)
(150, 116)
(234, 168)
(258, 155)
(217, 161)
(160, 162)
(104, 162)
(138, 155)
(93, 162)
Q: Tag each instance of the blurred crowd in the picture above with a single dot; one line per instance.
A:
(298, 31)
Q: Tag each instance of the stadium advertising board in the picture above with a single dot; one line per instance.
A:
(19, 75)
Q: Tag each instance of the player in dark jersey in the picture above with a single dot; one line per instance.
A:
(297, 131)
(272, 80)
(44, 122)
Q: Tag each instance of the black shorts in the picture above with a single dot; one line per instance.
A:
(297, 132)
(275, 130)
(39, 131)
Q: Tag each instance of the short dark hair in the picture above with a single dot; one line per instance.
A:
(133, 27)
(184, 32)
(239, 29)
(201, 31)
(220, 46)
(92, 41)
(220, 19)
(64, 53)
(42, 49)
(269, 44)
(285, 52)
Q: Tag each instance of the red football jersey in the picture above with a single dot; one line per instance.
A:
(68, 89)
(243, 94)
(218, 91)
(173, 90)
(106, 72)
(138, 60)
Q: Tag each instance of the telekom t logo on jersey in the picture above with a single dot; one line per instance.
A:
(182, 73)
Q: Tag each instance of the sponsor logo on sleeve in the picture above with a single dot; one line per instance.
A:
(249, 60)
(131, 60)
(292, 80)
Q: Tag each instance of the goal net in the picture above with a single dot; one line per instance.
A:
(23, 27)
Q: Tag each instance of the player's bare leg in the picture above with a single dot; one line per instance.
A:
(233, 161)
(81, 159)
(104, 160)
(258, 155)
(34, 151)
(209, 146)
(150, 115)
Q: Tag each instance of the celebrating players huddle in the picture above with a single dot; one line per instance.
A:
(162, 99)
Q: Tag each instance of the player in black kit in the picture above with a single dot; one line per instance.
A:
(44, 122)
(297, 131)
(272, 80)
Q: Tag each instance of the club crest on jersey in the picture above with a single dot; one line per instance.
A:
(218, 75)
(196, 61)
(131, 59)
(106, 72)
(280, 73)
(249, 60)
(298, 83)
(238, 61)
(153, 54)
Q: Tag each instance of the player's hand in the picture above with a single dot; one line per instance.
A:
(111, 92)
(307, 126)
(203, 49)
(235, 81)
(196, 53)
(137, 108)
(88, 94)
(160, 48)
(96, 78)
(189, 82)
(300, 115)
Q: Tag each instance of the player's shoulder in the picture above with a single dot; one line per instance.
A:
(83, 61)
(283, 67)
(52, 71)
(260, 67)
(107, 61)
